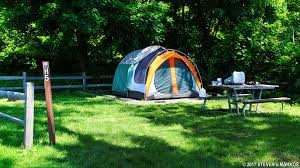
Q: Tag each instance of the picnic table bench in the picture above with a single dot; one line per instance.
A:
(239, 91)
(266, 100)
(219, 97)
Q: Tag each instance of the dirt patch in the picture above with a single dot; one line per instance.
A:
(164, 101)
(128, 100)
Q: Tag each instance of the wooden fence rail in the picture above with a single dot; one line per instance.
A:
(12, 95)
(83, 77)
(28, 120)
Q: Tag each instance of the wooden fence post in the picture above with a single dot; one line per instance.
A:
(24, 74)
(83, 81)
(48, 95)
(29, 115)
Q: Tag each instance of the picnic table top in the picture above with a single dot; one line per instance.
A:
(244, 86)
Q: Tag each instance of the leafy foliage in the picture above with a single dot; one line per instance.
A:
(258, 37)
(81, 31)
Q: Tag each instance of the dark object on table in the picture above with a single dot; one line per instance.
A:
(251, 83)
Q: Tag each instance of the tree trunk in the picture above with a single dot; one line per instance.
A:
(176, 22)
(293, 36)
(182, 15)
(82, 44)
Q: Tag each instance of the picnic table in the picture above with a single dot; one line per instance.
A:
(247, 89)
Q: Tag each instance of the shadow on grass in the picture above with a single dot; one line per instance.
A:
(249, 139)
(6, 162)
(148, 152)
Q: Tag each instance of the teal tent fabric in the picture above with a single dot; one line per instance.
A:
(120, 81)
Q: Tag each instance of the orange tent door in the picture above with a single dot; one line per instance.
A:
(172, 63)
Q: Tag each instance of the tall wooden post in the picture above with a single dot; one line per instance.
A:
(48, 94)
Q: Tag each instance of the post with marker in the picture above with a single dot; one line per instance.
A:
(48, 95)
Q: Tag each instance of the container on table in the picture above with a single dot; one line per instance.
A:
(219, 80)
(237, 78)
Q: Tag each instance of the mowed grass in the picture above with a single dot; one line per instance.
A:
(98, 131)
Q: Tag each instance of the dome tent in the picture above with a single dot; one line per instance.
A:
(156, 73)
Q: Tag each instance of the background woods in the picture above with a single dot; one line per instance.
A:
(259, 37)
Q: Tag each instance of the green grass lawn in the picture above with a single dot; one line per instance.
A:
(95, 131)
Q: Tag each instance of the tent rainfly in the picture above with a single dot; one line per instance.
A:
(157, 73)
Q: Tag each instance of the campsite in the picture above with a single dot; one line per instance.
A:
(155, 83)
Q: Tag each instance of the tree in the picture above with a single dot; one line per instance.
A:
(74, 28)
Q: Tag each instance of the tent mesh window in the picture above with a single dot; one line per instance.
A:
(162, 79)
(183, 78)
